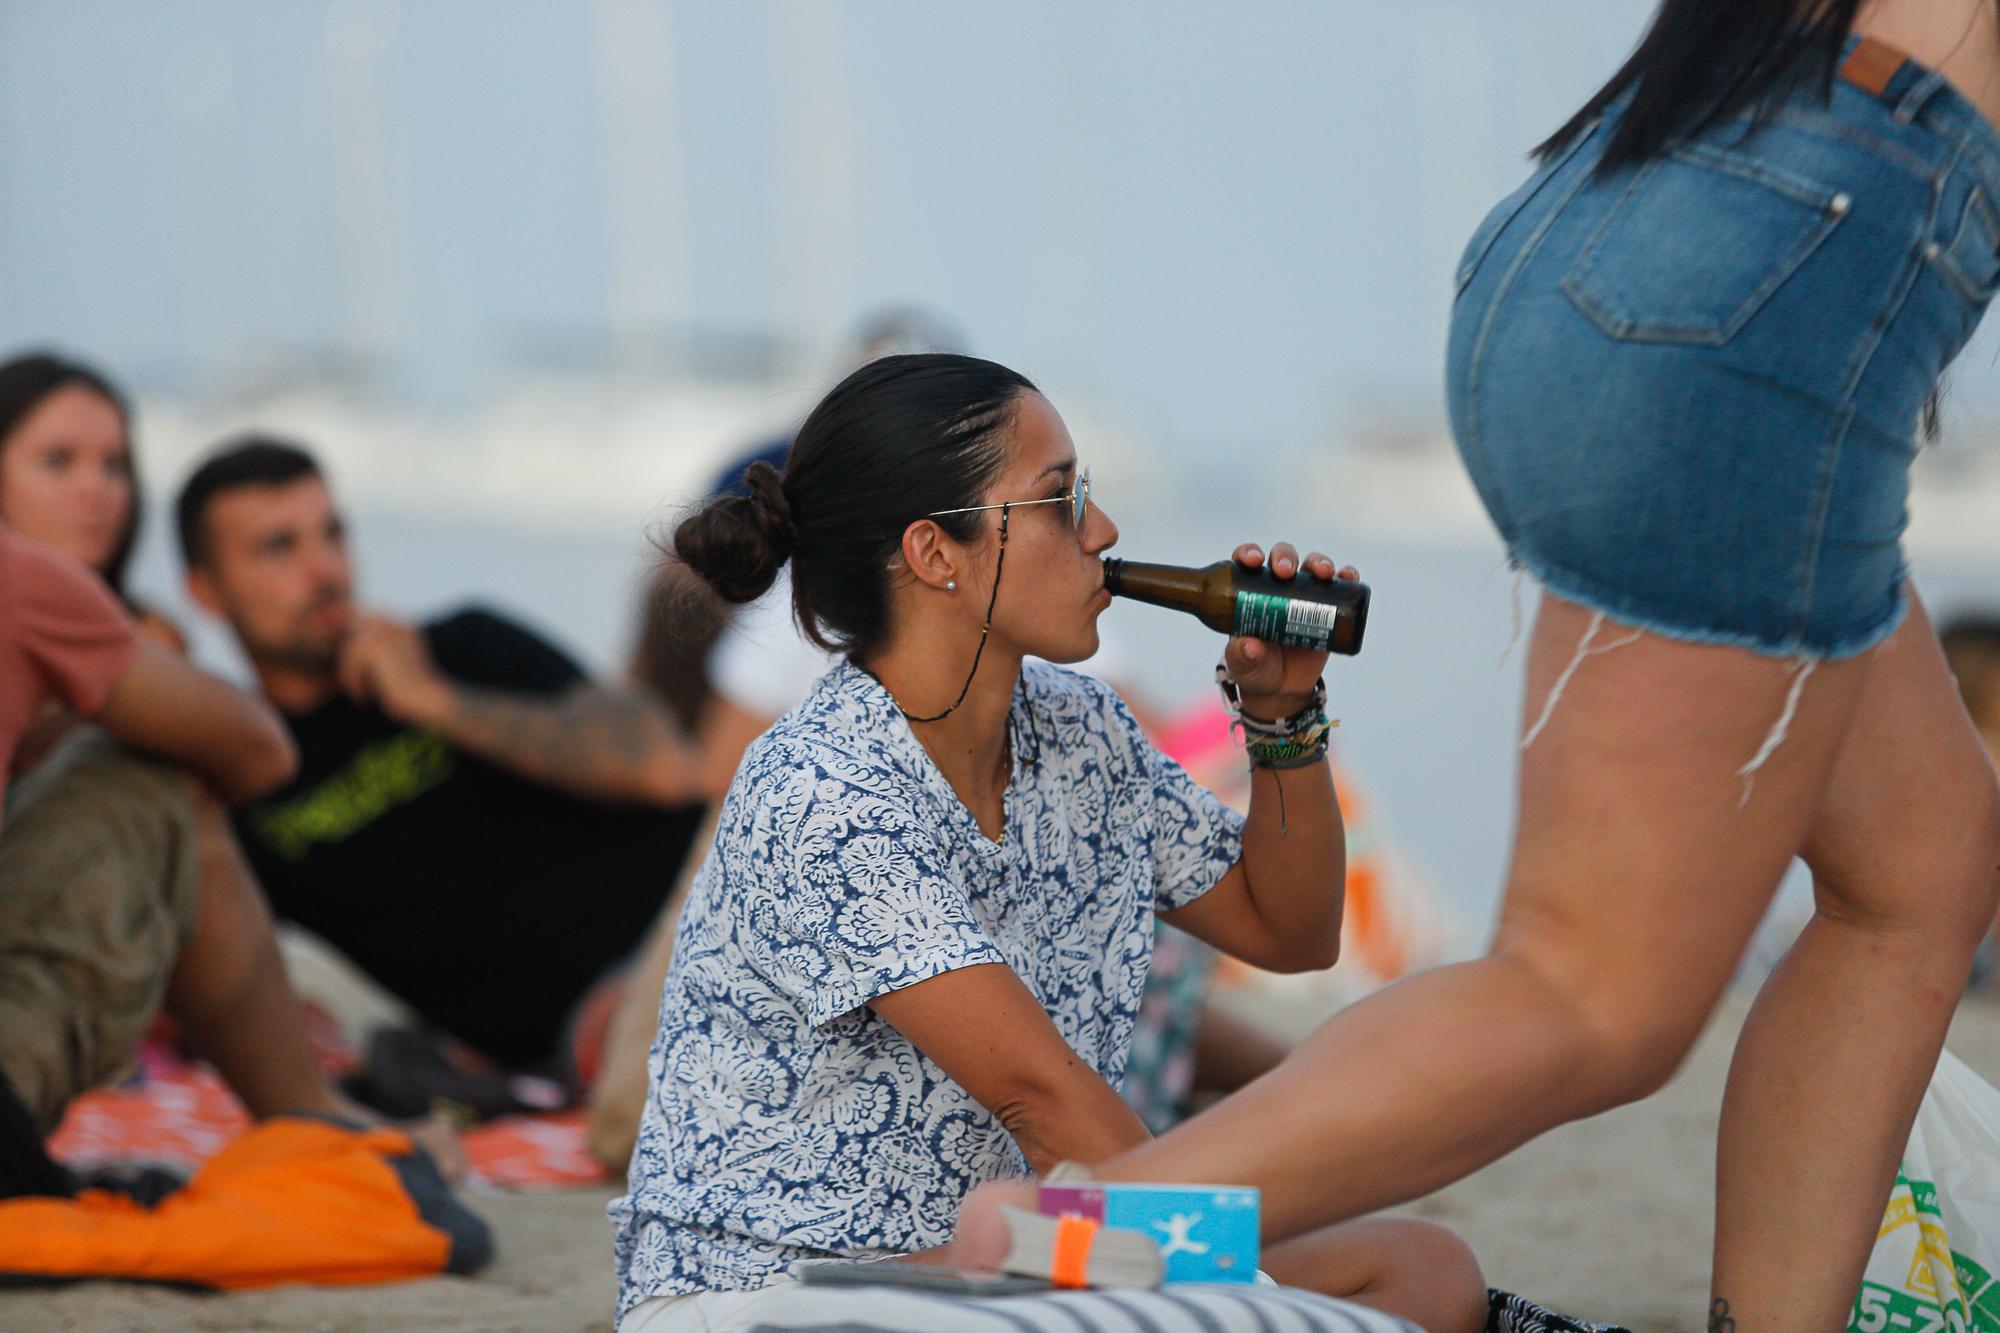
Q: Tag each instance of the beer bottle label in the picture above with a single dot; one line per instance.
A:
(1290, 621)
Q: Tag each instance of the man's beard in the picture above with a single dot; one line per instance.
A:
(306, 658)
(301, 650)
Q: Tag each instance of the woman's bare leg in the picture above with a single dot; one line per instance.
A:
(228, 988)
(1409, 1268)
(1842, 1042)
(1638, 874)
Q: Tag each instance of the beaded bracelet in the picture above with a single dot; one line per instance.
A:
(1290, 742)
(1257, 728)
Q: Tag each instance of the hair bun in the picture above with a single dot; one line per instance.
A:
(738, 543)
(773, 507)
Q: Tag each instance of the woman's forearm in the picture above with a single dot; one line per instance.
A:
(991, 1036)
(1078, 1123)
(1295, 858)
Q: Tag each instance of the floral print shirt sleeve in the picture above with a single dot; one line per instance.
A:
(1195, 839)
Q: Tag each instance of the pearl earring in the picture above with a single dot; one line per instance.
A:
(951, 585)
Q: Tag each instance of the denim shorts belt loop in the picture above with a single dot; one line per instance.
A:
(1689, 390)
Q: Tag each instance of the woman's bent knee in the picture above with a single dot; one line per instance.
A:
(1431, 1275)
(1622, 1037)
(1941, 888)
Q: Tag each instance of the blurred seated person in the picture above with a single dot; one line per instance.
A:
(68, 477)
(121, 890)
(1972, 650)
(477, 825)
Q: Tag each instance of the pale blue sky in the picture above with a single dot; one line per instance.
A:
(1232, 224)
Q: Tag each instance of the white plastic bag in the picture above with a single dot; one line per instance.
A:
(1936, 1263)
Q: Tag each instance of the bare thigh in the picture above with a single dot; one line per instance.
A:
(1638, 873)
(1644, 857)
(1907, 834)
(1835, 1056)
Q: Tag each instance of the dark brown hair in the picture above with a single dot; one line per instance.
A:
(899, 439)
(1703, 61)
(244, 460)
(25, 382)
(679, 623)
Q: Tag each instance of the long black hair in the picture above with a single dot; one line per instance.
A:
(28, 379)
(900, 439)
(1704, 61)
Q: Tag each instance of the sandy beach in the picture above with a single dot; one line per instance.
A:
(1608, 1219)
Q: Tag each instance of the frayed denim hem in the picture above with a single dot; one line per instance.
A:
(1800, 659)
(1574, 588)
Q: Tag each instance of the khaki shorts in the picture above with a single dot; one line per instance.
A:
(99, 888)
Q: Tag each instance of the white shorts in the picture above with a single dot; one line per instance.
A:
(701, 1311)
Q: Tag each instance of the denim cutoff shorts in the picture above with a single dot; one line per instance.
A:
(1689, 391)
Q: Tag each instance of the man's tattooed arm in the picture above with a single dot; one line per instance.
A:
(592, 741)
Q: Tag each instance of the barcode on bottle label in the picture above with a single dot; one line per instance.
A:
(1292, 622)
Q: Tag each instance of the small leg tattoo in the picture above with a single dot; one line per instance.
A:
(1719, 1320)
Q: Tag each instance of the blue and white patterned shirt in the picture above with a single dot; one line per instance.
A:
(785, 1119)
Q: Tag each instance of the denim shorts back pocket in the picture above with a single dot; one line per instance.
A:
(1971, 258)
(1700, 241)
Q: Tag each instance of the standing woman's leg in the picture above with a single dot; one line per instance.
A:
(1637, 877)
(1842, 1042)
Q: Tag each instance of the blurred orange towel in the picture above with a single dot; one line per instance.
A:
(289, 1200)
(181, 1112)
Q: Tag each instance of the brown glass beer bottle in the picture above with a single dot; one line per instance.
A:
(1299, 612)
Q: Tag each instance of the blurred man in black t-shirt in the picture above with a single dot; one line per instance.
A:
(477, 824)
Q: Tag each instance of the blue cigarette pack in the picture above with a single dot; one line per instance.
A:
(1206, 1233)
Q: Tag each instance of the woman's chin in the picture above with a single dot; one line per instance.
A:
(89, 552)
(1080, 649)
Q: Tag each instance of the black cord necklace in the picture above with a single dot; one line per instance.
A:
(984, 631)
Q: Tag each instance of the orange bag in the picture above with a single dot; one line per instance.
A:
(290, 1200)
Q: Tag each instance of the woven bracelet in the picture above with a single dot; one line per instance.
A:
(1307, 747)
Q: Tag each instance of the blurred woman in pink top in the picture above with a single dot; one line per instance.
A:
(68, 477)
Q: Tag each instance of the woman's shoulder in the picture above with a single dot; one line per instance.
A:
(786, 753)
(836, 720)
(829, 751)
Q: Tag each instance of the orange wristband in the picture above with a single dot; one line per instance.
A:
(1074, 1237)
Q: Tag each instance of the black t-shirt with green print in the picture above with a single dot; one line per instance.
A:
(488, 902)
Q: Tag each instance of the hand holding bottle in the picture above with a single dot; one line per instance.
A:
(1277, 681)
(1304, 606)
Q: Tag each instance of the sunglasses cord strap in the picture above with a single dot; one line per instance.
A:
(984, 631)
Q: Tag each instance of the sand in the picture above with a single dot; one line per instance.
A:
(1609, 1219)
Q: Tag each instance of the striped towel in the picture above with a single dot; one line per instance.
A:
(1208, 1308)
(1508, 1313)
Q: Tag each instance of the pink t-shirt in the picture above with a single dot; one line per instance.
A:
(63, 637)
